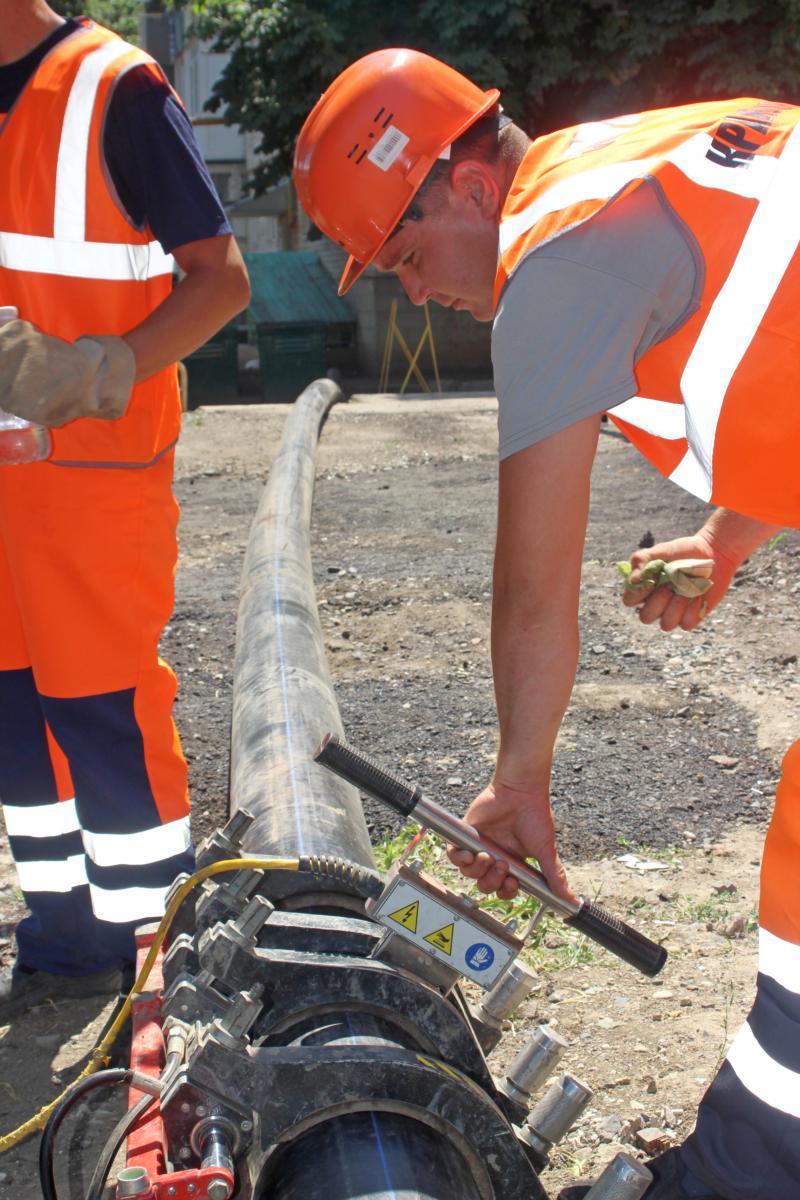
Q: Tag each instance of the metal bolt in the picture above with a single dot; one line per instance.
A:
(219, 1189)
(185, 1108)
(172, 1190)
(245, 1126)
(191, 1187)
(184, 1152)
(201, 1110)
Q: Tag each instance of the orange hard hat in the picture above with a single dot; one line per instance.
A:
(370, 141)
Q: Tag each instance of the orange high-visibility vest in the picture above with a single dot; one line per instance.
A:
(71, 261)
(718, 403)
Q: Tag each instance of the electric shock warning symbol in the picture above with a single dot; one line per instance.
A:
(442, 938)
(407, 916)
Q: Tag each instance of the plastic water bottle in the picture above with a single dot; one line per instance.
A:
(21, 441)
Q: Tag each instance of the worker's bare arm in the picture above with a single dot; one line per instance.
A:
(215, 288)
(542, 513)
(727, 538)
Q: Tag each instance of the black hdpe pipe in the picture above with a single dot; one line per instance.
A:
(283, 704)
(282, 691)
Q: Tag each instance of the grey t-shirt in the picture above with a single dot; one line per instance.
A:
(581, 310)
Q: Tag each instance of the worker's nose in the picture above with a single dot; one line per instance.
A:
(414, 289)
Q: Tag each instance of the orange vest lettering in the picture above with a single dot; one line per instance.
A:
(70, 259)
(717, 404)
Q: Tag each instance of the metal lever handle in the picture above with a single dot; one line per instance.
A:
(602, 926)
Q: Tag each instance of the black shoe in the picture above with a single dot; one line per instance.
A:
(667, 1184)
(21, 989)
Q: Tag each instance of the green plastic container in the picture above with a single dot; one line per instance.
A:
(213, 370)
(290, 357)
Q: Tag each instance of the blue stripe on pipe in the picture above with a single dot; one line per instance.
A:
(285, 697)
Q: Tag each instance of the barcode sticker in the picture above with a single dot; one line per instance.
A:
(386, 149)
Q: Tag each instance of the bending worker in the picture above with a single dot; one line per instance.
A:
(645, 266)
(101, 180)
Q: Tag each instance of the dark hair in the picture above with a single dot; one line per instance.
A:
(479, 141)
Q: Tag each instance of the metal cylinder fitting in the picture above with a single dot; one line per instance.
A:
(132, 1181)
(216, 1151)
(623, 1179)
(557, 1111)
(533, 1064)
(513, 986)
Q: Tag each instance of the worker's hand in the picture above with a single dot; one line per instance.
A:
(518, 819)
(661, 604)
(50, 382)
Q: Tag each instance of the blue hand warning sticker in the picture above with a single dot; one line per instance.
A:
(479, 956)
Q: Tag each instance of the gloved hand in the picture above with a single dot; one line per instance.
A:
(50, 382)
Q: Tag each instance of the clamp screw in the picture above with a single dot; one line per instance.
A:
(219, 1189)
(245, 1126)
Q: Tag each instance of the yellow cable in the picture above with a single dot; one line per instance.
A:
(99, 1056)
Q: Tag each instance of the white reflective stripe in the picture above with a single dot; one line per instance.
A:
(772, 1083)
(751, 180)
(83, 260)
(60, 876)
(597, 183)
(41, 820)
(748, 179)
(69, 217)
(780, 960)
(127, 904)
(691, 475)
(653, 416)
(135, 849)
(766, 251)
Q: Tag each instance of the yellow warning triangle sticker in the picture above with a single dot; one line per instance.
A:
(406, 916)
(442, 938)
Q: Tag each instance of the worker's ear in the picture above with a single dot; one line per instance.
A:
(475, 185)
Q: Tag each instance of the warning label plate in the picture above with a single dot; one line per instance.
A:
(466, 946)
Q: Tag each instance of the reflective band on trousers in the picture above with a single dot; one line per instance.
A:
(137, 849)
(121, 905)
(772, 1083)
(780, 960)
(41, 820)
(61, 875)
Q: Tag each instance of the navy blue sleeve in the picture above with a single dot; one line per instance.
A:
(156, 165)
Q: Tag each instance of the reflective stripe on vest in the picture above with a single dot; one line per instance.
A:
(693, 390)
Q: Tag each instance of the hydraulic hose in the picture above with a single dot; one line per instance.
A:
(63, 1106)
(99, 1056)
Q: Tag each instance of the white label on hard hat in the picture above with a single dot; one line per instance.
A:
(386, 149)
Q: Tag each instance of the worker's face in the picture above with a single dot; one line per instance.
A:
(450, 255)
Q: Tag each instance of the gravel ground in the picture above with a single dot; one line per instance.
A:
(670, 748)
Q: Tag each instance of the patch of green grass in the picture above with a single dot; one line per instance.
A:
(665, 854)
(575, 948)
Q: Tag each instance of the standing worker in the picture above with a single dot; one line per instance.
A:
(646, 266)
(102, 181)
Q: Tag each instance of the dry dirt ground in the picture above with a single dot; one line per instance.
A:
(664, 774)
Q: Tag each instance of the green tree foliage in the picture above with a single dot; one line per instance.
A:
(556, 61)
(120, 15)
